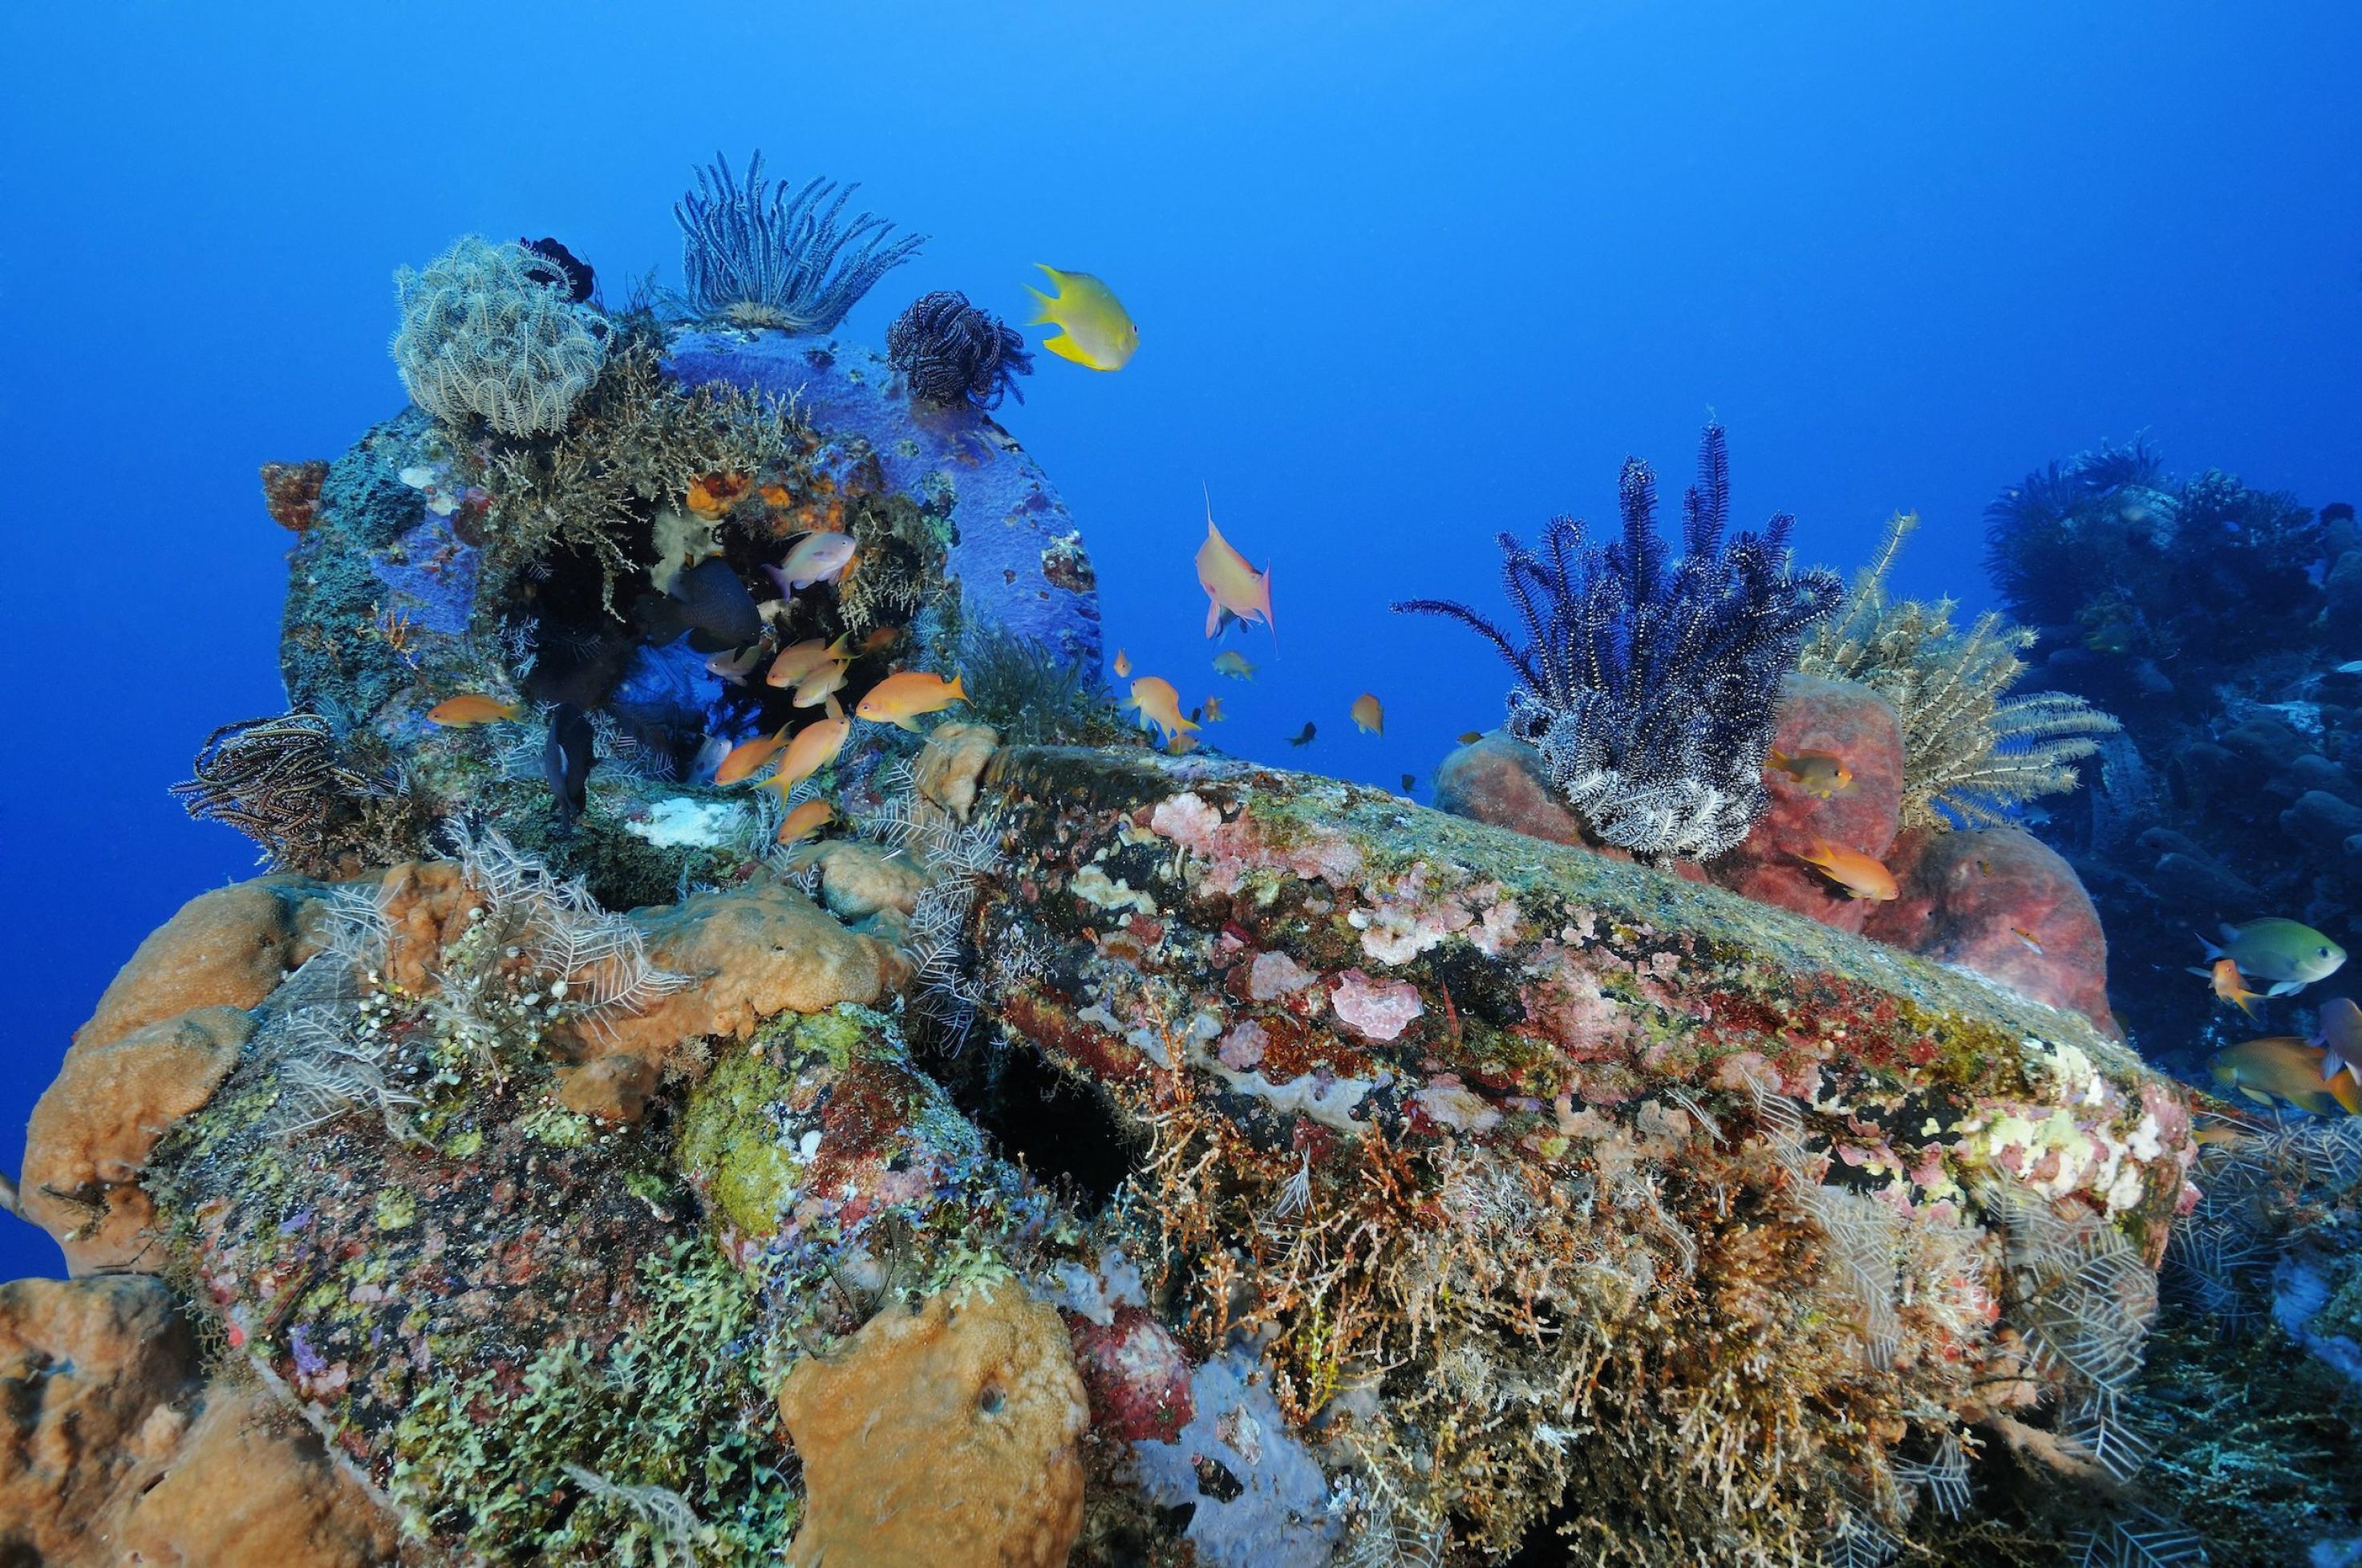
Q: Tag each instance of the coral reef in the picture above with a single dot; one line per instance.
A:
(949, 351)
(1648, 686)
(752, 254)
(1972, 751)
(2195, 611)
(485, 336)
(998, 1141)
(1528, 1117)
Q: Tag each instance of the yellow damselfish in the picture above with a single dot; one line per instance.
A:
(1099, 333)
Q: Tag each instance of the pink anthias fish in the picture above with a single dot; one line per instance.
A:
(816, 557)
(1234, 588)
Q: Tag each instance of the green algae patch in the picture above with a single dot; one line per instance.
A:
(559, 1467)
(729, 1149)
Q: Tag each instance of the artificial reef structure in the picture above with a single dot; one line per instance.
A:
(990, 1138)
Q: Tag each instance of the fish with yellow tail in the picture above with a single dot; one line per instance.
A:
(828, 677)
(1820, 774)
(2289, 955)
(1234, 588)
(2282, 1068)
(899, 699)
(1368, 716)
(747, 759)
(2338, 1032)
(805, 820)
(1232, 663)
(815, 747)
(468, 710)
(1098, 332)
(1160, 705)
(1860, 875)
(2230, 985)
(797, 662)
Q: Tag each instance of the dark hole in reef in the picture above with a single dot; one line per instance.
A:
(991, 1400)
(1064, 1132)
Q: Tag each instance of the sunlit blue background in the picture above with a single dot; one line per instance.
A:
(1405, 275)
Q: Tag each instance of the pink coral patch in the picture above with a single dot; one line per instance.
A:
(1380, 1009)
(1276, 974)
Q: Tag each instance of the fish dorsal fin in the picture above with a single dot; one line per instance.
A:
(829, 706)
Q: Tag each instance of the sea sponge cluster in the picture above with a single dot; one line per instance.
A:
(482, 334)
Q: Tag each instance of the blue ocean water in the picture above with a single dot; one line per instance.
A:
(1405, 275)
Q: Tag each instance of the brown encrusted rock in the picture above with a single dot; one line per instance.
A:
(612, 1089)
(1532, 1072)
(98, 1374)
(944, 1435)
(251, 1483)
(2003, 903)
(224, 948)
(1847, 720)
(749, 953)
(1498, 778)
(290, 494)
(93, 1129)
(950, 764)
(858, 880)
(112, 1453)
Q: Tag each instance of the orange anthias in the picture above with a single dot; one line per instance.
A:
(899, 698)
(747, 759)
(815, 747)
(2230, 985)
(793, 664)
(1232, 587)
(1861, 875)
(1159, 704)
(805, 820)
(473, 708)
(1368, 716)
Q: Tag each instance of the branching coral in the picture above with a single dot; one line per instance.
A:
(485, 334)
(1648, 686)
(757, 255)
(949, 351)
(286, 783)
(1970, 751)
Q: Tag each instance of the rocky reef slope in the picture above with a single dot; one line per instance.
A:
(1064, 1153)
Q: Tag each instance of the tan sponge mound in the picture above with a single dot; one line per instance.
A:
(113, 1452)
(943, 1432)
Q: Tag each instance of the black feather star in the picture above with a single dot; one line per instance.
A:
(1648, 685)
(949, 351)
